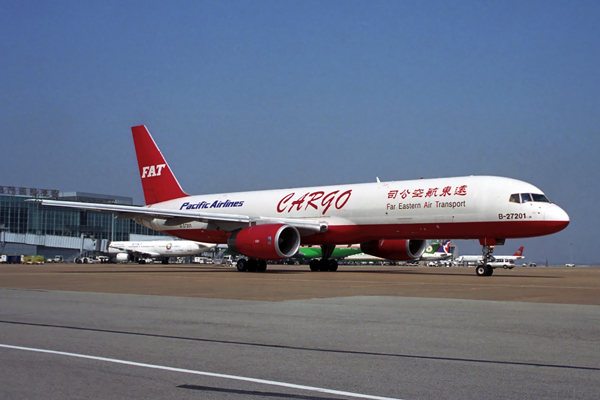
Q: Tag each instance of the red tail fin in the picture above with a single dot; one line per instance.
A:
(158, 181)
(519, 252)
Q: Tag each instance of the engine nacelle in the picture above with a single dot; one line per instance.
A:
(395, 249)
(121, 257)
(265, 242)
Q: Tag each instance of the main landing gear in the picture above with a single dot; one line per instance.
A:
(251, 265)
(484, 269)
(324, 264)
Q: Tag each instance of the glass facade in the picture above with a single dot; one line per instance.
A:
(19, 216)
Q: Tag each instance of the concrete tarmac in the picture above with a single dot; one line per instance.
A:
(280, 283)
(384, 332)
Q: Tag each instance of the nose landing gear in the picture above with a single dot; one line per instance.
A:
(484, 269)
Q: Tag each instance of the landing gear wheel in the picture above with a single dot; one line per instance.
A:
(242, 265)
(252, 264)
(484, 270)
(333, 265)
(261, 266)
(323, 265)
(314, 264)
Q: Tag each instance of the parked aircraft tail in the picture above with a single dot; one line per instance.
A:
(158, 181)
(519, 252)
(432, 248)
(445, 247)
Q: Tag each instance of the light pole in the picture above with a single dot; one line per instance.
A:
(571, 247)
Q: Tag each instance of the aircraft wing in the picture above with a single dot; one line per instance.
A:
(305, 226)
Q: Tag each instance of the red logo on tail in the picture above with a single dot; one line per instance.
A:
(152, 164)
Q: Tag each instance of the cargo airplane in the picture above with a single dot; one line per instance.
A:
(391, 220)
(159, 249)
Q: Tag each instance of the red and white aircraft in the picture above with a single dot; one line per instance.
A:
(477, 259)
(390, 219)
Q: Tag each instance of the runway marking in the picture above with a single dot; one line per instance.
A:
(191, 371)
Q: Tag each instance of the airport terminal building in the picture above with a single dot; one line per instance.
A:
(27, 228)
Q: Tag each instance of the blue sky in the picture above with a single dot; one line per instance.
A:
(246, 95)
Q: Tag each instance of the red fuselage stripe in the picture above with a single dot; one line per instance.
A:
(365, 233)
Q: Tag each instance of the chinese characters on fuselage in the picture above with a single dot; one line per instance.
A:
(429, 193)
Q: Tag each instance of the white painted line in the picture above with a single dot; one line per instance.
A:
(191, 371)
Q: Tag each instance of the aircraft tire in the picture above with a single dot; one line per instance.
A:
(333, 265)
(262, 266)
(323, 265)
(252, 264)
(484, 270)
(242, 265)
(314, 264)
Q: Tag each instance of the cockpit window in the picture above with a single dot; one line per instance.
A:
(525, 197)
(540, 197)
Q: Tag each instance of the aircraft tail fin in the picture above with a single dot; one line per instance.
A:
(444, 247)
(519, 252)
(433, 247)
(158, 182)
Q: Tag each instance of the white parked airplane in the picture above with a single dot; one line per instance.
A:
(159, 249)
(477, 259)
(392, 220)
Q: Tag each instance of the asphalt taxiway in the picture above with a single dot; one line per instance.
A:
(114, 332)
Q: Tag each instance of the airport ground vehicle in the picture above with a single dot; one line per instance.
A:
(529, 265)
(502, 263)
(13, 259)
(92, 260)
(37, 259)
(202, 260)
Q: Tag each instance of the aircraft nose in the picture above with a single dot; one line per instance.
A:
(556, 218)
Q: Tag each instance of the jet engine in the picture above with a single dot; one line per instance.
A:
(265, 242)
(395, 249)
(123, 257)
